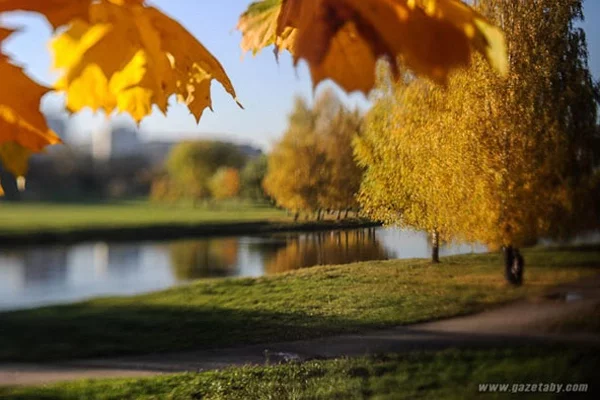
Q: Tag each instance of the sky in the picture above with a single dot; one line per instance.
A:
(265, 87)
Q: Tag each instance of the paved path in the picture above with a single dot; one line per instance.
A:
(515, 323)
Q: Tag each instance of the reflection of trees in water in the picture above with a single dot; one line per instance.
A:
(204, 258)
(327, 248)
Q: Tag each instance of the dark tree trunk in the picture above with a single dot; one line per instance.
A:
(339, 216)
(296, 216)
(346, 215)
(319, 215)
(435, 247)
(514, 265)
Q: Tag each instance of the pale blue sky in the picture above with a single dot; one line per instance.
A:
(265, 87)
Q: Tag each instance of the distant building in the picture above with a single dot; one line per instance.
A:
(115, 142)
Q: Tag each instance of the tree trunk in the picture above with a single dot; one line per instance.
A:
(339, 216)
(319, 215)
(514, 265)
(435, 247)
(296, 216)
(346, 215)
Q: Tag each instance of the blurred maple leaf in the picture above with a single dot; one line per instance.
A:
(129, 57)
(343, 39)
(23, 128)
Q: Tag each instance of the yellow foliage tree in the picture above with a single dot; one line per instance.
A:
(297, 164)
(419, 164)
(500, 161)
(225, 184)
(312, 167)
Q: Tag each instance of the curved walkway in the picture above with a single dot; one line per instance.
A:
(516, 323)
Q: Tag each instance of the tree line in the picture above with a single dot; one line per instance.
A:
(498, 160)
(202, 170)
(311, 170)
(502, 161)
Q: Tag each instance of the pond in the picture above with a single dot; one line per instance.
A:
(37, 276)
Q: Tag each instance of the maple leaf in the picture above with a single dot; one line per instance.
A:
(343, 39)
(258, 26)
(23, 128)
(129, 57)
(192, 65)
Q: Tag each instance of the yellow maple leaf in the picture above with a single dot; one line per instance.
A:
(193, 66)
(130, 57)
(23, 128)
(343, 39)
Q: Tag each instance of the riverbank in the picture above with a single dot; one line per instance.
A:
(45, 224)
(311, 303)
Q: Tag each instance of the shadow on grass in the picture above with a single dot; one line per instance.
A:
(92, 330)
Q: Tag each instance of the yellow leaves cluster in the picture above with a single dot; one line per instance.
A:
(343, 39)
(128, 57)
(114, 55)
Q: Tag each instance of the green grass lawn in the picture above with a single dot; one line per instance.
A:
(30, 217)
(302, 304)
(449, 374)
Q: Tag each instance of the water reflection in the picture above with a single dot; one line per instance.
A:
(44, 266)
(204, 258)
(329, 248)
(49, 275)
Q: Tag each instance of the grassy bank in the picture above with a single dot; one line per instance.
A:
(446, 375)
(303, 304)
(21, 218)
(38, 224)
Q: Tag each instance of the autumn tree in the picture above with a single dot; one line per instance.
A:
(419, 165)
(190, 165)
(298, 165)
(251, 179)
(225, 183)
(312, 167)
(338, 129)
(519, 157)
(540, 122)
